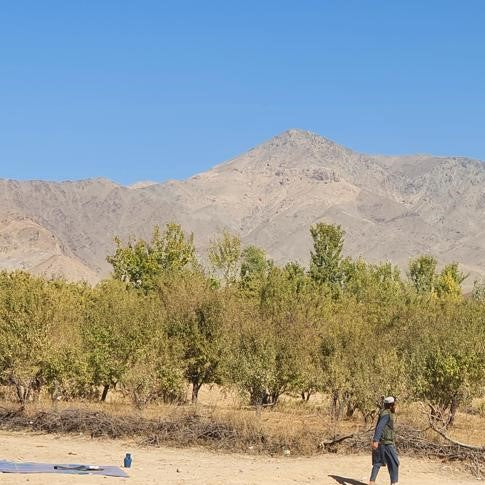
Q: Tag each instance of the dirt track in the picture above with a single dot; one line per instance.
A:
(189, 466)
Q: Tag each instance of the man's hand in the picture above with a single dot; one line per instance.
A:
(375, 445)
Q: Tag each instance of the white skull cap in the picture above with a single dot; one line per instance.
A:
(389, 400)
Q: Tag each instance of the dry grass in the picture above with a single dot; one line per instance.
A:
(183, 426)
(468, 428)
(220, 421)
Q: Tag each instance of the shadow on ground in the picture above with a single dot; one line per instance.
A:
(346, 481)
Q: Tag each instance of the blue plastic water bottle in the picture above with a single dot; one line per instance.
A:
(127, 461)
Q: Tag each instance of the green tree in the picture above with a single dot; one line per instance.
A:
(372, 282)
(158, 373)
(27, 329)
(272, 342)
(446, 360)
(422, 273)
(195, 316)
(115, 330)
(260, 363)
(359, 361)
(326, 257)
(141, 263)
(225, 256)
(254, 268)
(448, 283)
(66, 374)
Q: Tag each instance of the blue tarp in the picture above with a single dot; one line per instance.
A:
(73, 469)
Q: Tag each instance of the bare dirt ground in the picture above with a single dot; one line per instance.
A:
(196, 466)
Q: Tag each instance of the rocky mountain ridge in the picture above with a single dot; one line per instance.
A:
(391, 207)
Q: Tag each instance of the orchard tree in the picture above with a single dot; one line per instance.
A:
(446, 360)
(272, 339)
(264, 360)
(195, 318)
(254, 268)
(422, 274)
(372, 282)
(118, 324)
(141, 263)
(448, 283)
(251, 364)
(326, 256)
(359, 362)
(225, 256)
(158, 373)
(27, 331)
(66, 373)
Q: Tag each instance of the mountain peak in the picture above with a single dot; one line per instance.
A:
(298, 134)
(295, 148)
(303, 139)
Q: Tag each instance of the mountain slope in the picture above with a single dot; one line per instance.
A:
(28, 246)
(391, 207)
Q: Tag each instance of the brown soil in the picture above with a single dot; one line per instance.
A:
(195, 466)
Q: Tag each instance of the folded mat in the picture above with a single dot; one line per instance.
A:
(17, 467)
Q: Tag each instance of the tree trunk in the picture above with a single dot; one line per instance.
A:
(350, 411)
(266, 399)
(274, 397)
(195, 390)
(259, 397)
(453, 410)
(255, 398)
(305, 395)
(105, 392)
(336, 406)
(36, 389)
(23, 392)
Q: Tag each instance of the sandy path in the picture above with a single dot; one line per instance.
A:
(195, 466)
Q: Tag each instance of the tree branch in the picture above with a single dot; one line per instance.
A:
(447, 438)
(339, 439)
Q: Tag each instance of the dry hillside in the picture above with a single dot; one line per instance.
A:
(391, 207)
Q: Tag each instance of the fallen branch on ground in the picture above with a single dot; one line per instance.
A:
(190, 428)
(340, 439)
(457, 443)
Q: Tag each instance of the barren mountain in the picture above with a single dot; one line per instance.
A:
(391, 207)
(26, 245)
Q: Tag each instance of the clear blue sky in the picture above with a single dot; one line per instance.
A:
(136, 90)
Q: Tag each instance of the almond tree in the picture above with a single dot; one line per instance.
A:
(326, 256)
(116, 329)
(27, 330)
(422, 273)
(446, 356)
(225, 256)
(141, 263)
(195, 320)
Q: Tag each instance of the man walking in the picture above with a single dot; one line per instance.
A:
(383, 444)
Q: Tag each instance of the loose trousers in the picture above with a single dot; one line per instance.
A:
(385, 455)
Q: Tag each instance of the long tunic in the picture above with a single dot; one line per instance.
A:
(386, 453)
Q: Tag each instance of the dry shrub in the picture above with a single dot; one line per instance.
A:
(241, 430)
(231, 431)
